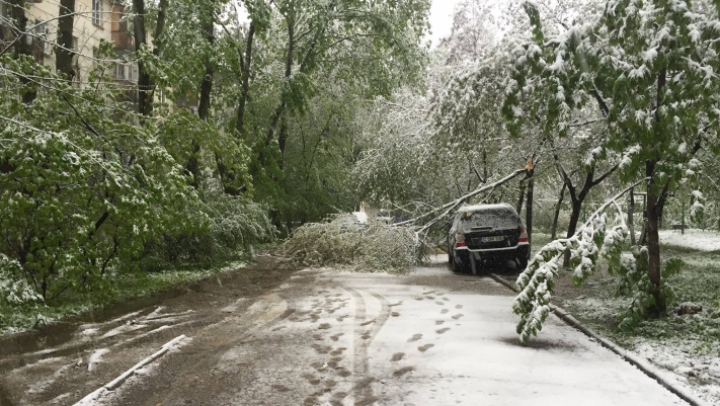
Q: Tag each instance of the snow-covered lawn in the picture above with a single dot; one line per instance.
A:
(693, 238)
(686, 349)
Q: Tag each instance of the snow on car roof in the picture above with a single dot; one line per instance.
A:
(481, 207)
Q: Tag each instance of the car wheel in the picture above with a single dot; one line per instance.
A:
(521, 263)
(474, 266)
(458, 266)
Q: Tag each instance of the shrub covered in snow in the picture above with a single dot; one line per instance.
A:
(367, 247)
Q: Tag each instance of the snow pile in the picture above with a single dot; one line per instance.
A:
(696, 239)
(361, 217)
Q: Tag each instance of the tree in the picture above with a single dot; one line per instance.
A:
(64, 53)
(647, 67)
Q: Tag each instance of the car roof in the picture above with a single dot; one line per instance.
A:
(485, 207)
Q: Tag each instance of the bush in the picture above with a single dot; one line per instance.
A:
(368, 247)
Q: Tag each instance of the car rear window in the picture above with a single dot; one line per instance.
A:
(496, 218)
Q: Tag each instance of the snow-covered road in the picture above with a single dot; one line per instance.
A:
(338, 338)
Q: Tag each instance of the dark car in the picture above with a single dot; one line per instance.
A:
(487, 233)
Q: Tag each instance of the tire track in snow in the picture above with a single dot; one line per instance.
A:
(363, 339)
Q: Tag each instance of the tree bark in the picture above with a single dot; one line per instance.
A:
(521, 199)
(160, 28)
(145, 82)
(64, 55)
(553, 231)
(246, 64)
(21, 47)
(207, 83)
(17, 13)
(529, 206)
(193, 165)
(655, 202)
(631, 218)
(654, 209)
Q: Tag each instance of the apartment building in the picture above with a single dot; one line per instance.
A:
(95, 21)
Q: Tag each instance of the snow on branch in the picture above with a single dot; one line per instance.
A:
(537, 282)
(449, 207)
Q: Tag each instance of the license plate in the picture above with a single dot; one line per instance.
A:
(493, 239)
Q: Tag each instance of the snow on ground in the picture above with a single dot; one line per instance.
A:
(699, 373)
(461, 348)
(96, 358)
(687, 360)
(145, 367)
(693, 238)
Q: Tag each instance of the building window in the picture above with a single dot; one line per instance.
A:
(97, 12)
(120, 72)
(40, 32)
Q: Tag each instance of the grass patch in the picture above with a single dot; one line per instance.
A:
(14, 319)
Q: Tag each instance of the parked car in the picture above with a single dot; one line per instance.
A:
(486, 233)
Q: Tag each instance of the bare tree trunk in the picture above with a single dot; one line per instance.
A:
(145, 83)
(246, 65)
(631, 218)
(553, 231)
(521, 199)
(64, 54)
(529, 206)
(193, 165)
(655, 203)
(21, 47)
(160, 28)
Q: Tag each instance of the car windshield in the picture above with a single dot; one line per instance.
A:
(496, 218)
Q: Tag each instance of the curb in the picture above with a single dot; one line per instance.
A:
(626, 355)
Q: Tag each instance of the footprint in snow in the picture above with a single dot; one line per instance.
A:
(442, 330)
(402, 371)
(415, 337)
(425, 347)
(457, 316)
(458, 306)
(443, 311)
(397, 356)
(439, 322)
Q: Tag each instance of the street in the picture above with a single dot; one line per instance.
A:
(325, 337)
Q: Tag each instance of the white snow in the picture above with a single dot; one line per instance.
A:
(90, 331)
(96, 357)
(96, 398)
(479, 360)
(361, 217)
(693, 238)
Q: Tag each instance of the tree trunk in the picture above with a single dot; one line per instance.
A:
(160, 28)
(529, 207)
(145, 83)
(17, 13)
(572, 227)
(655, 202)
(193, 165)
(631, 219)
(521, 199)
(553, 231)
(64, 55)
(246, 64)
(207, 83)
(21, 47)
